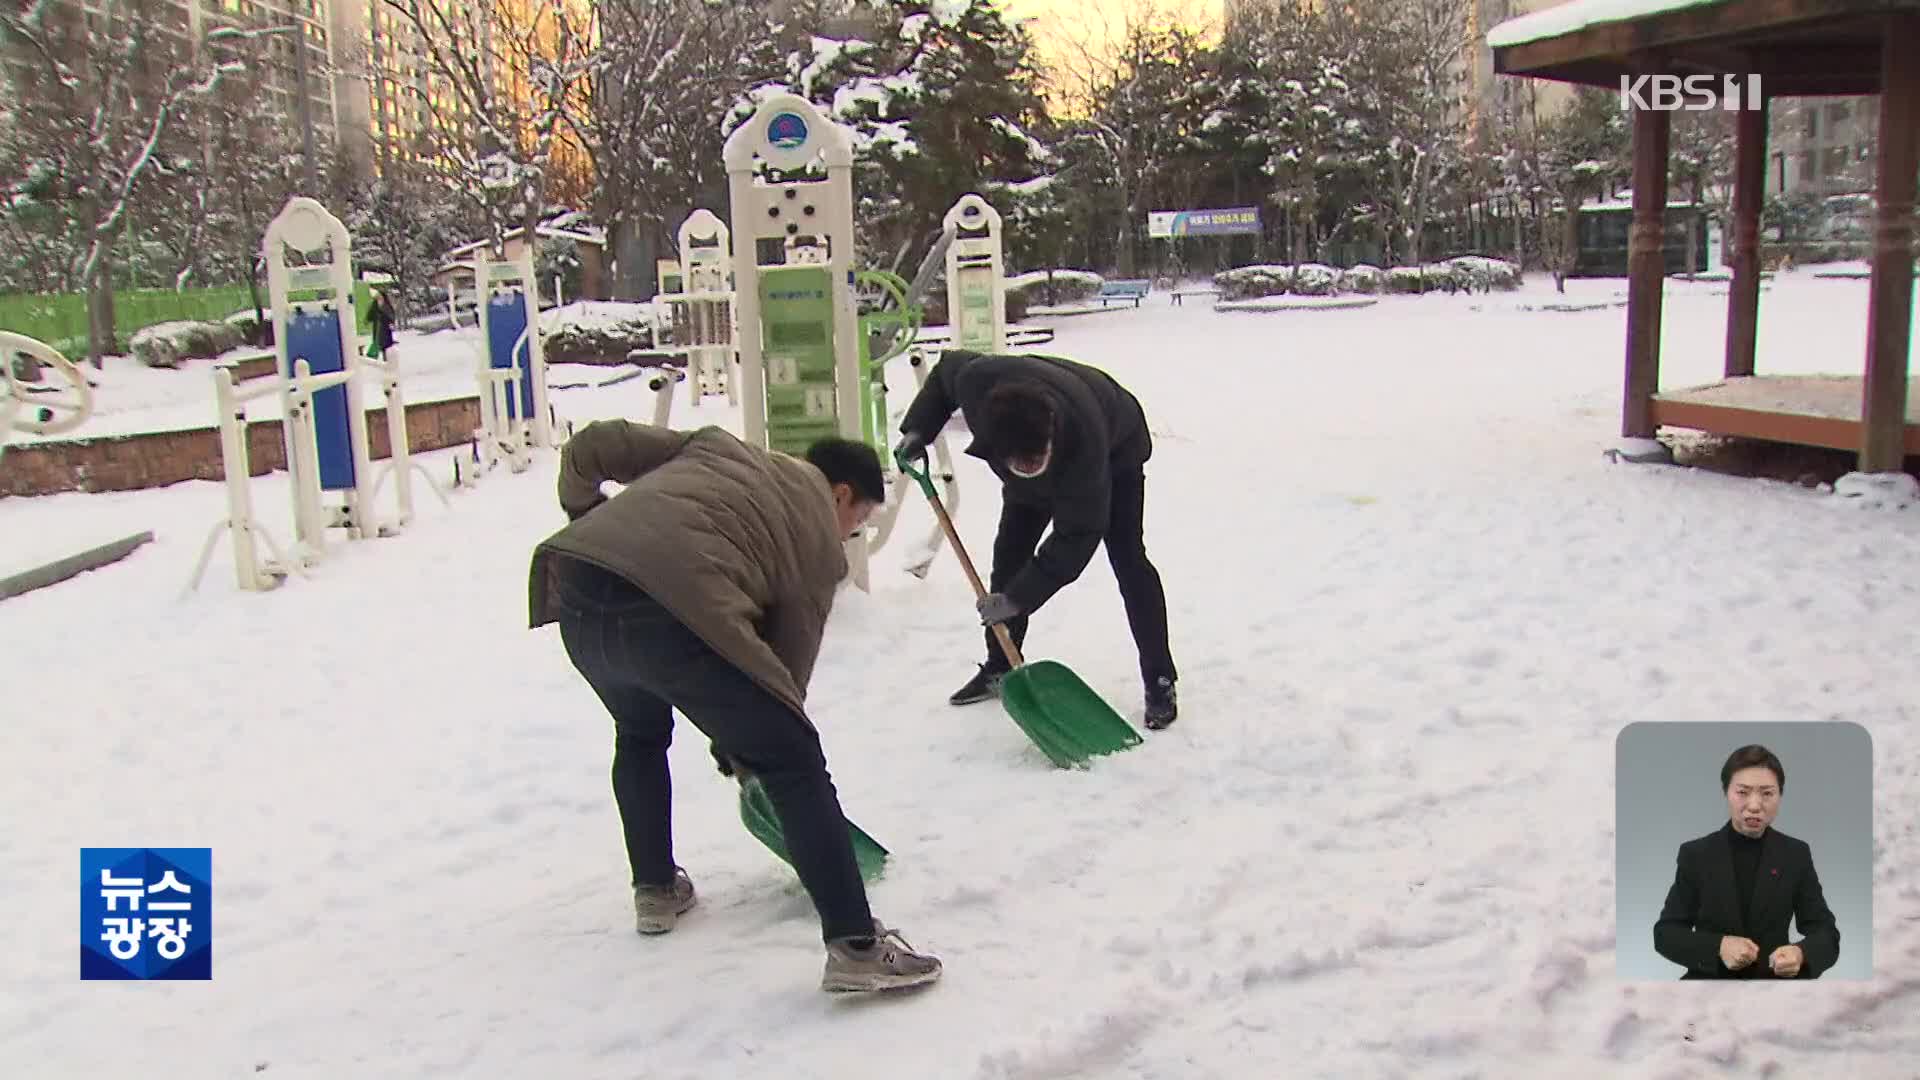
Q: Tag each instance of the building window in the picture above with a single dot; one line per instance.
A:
(1812, 118)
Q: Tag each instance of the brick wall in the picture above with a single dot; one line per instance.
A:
(157, 458)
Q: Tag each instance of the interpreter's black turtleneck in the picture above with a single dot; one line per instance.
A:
(1746, 867)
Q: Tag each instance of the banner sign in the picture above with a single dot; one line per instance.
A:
(1236, 219)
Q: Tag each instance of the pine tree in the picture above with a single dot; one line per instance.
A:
(942, 99)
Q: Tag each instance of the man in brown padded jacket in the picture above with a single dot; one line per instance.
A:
(704, 586)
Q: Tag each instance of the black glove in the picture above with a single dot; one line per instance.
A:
(725, 763)
(912, 448)
(996, 608)
(591, 507)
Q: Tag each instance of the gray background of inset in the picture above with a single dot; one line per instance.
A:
(1667, 791)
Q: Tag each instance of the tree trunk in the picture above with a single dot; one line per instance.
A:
(630, 272)
(100, 338)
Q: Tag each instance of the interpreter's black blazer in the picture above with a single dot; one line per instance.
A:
(1703, 906)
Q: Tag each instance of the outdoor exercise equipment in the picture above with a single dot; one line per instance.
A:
(41, 391)
(669, 370)
(323, 414)
(697, 292)
(515, 417)
(793, 246)
(887, 331)
(1061, 714)
(976, 278)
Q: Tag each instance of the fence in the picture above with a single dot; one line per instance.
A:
(60, 319)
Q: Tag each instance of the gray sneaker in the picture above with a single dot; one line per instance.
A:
(889, 963)
(657, 907)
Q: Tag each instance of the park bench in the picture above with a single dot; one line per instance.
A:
(1134, 289)
(1181, 294)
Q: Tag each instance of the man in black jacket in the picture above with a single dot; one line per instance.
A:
(1070, 447)
(1735, 888)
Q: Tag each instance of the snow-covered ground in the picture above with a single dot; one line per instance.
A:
(1413, 605)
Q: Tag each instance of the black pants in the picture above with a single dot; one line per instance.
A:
(1021, 527)
(644, 663)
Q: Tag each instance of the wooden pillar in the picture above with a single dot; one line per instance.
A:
(1646, 270)
(1749, 180)
(1883, 406)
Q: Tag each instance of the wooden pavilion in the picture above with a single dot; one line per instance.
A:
(1798, 48)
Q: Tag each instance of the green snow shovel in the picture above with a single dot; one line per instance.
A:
(756, 811)
(1061, 714)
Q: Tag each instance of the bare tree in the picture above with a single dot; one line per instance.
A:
(499, 78)
(1125, 89)
(110, 86)
(1418, 49)
(650, 115)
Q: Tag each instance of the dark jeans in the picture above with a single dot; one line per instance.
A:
(1021, 527)
(644, 663)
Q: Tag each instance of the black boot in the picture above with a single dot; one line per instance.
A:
(984, 684)
(1162, 707)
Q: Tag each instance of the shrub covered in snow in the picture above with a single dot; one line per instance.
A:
(1314, 279)
(1052, 287)
(1248, 282)
(596, 331)
(1469, 272)
(168, 344)
(1487, 274)
(252, 330)
(1362, 279)
(1423, 279)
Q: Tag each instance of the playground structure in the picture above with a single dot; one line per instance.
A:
(44, 392)
(793, 244)
(697, 295)
(515, 417)
(970, 249)
(323, 416)
(976, 276)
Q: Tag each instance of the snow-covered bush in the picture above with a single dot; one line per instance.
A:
(1314, 279)
(1423, 279)
(558, 258)
(1249, 282)
(1363, 279)
(1051, 287)
(168, 344)
(252, 330)
(1487, 274)
(596, 332)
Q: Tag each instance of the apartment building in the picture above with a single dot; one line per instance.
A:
(406, 102)
(369, 85)
(1489, 94)
(1822, 146)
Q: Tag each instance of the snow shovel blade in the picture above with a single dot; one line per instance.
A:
(1062, 715)
(756, 812)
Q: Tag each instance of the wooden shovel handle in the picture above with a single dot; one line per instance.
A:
(973, 576)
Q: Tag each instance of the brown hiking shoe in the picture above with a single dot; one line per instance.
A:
(656, 908)
(883, 962)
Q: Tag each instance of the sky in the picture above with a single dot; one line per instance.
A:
(1072, 17)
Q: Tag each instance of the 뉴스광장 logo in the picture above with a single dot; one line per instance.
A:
(146, 913)
(787, 130)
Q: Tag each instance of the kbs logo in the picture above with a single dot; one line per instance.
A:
(1691, 93)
